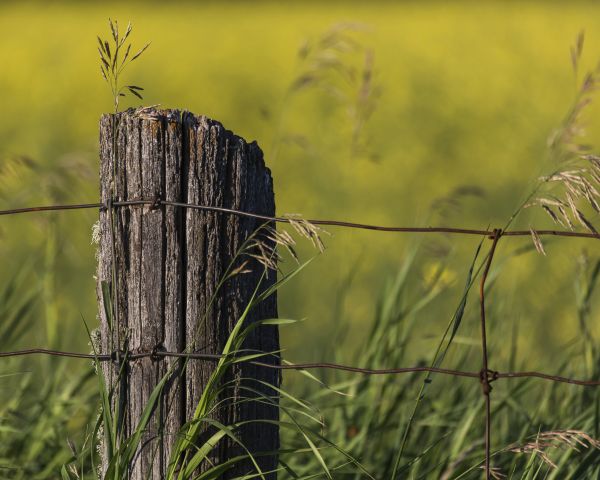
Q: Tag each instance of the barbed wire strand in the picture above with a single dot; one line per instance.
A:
(330, 223)
(305, 366)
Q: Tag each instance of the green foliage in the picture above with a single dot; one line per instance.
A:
(44, 405)
(534, 422)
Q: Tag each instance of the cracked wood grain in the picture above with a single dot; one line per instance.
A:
(169, 263)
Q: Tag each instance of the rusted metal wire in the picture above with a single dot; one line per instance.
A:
(51, 208)
(493, 375)
(485, 377)
(330, 223)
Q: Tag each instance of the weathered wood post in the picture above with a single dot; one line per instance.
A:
(168, 263)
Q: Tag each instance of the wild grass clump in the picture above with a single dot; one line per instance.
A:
(45, 406)
(339, 66)
(540, 429)
(113, 454)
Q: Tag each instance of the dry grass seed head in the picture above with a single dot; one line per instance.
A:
(241, 269)
(265, 253)
(263, 247)
(306, 229)
(579, 182)
(283, 238)
(537, 241)
(496, 473)
(556, 439)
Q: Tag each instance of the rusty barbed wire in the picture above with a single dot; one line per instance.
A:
(330, 223)
(492, 375)
(485, 377)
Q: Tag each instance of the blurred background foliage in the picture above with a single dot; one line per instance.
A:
(404, 113)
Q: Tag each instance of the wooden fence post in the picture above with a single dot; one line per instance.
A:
(168, 263)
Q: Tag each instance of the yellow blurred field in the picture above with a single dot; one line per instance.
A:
(470, 92)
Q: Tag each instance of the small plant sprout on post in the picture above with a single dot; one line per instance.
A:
(113, 61)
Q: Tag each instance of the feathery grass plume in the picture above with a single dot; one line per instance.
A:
(363, 107)
(576, 171)
(576, 51)
(324, 60)
(114, 60)
(340, 65)
(263, 247)
(307, 229)
(545, 442)
(262, 244)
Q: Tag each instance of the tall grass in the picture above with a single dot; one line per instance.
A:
(446, 437)
(44, 405)
(202, 434)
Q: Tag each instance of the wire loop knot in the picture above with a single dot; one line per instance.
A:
(155, 353)
(486, 377)
(118, 356)
(156, 202)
